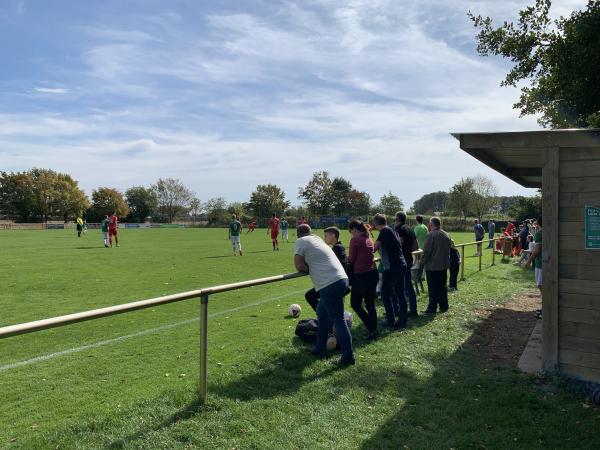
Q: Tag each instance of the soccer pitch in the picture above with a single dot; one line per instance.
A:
(128, 381)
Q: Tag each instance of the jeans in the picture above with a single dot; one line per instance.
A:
(312, 297)
(409, 291)
(491, 244)
(364, 286)
(438, 293)
(454, 276)
(392, 295)
(330, 311)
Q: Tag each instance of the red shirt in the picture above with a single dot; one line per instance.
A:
(361, 254)
(302, 221)
(112, 222)
(274, 223)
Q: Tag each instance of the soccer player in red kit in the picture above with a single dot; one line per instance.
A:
(251, 227)
(112, 229)
(274, 229)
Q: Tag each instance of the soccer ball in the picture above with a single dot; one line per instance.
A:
(294, 310)
(331, 342)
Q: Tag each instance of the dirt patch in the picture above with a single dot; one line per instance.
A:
(502, 341)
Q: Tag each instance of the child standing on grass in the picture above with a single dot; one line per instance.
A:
(454, 266)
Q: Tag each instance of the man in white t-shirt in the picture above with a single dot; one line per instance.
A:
(315, 257)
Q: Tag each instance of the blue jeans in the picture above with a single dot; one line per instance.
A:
(330, 311)
(393, 297)
(409, 291)
(491, 245)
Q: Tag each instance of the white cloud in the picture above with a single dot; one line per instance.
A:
(47, 90)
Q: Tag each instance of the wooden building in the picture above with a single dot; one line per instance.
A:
(565, 164)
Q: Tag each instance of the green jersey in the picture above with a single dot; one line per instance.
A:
(235, 227)
(284, 224)
(105, 225)
(538, 241)
(421, 232)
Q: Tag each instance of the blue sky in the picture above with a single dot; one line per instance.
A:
(226, 95)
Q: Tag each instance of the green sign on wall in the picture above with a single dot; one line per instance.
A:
(592, 228)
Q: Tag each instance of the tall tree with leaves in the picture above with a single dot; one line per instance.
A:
(434, 202)
(106, 201)
(142, 202)
(390, 204)
(318, 193)
(461, 197)
(267, 199)
(560, 60)
(15, 194)
(173, 197)
(216, 211)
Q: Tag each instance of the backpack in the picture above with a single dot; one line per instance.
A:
(307, 330)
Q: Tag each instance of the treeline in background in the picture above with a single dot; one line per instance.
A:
(43, 195)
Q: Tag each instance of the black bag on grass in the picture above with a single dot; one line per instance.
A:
(307, 330)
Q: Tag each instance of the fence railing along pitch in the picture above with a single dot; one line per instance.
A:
(203, 294)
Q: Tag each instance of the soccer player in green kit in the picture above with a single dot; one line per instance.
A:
(104, 226)
(235, 229)
(285, 230)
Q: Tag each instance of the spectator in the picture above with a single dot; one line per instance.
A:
(436, 258)
(491, 233)
(364, 276)
(523, 236)
(420, 231)
(409, 245)
(329, 278)
(454, 266)
(479, 233)
(536, 258)
(392, 259)
(332, 238)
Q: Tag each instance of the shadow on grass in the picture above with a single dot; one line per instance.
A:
(473, 399)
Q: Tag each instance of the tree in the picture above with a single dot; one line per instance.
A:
(461, 197)
(559, 58)
(318, 193)
(267, 199)
(70, 201)
(15, 194)
(434, 202)
(216, 211)
(527, 208)
(142, 202)
(173, 197)
(340, 196)
(390, 204)
(195, 208)
(359, 203)
(106, 201)
(484, 195)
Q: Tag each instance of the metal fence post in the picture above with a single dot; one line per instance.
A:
(203, 347)
(480, 256)
(462, 264)
(493, 251)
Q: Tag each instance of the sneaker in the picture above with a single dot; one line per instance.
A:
(399, 325)
(443, 310)
(241, 254)
(429, 311)
(373, 335)
(342, 362)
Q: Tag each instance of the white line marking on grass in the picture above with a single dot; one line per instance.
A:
(70, 351)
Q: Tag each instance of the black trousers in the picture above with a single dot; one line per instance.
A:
(364, 287)
(454, 276)
(438, 293)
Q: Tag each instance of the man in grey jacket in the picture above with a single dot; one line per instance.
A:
(436, 259)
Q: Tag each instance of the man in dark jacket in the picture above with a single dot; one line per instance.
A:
(436, 258)
(409, 245)
(389, 246)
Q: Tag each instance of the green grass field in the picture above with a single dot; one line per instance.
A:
(129, 381)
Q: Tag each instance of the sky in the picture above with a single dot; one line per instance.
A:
(225, 95)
